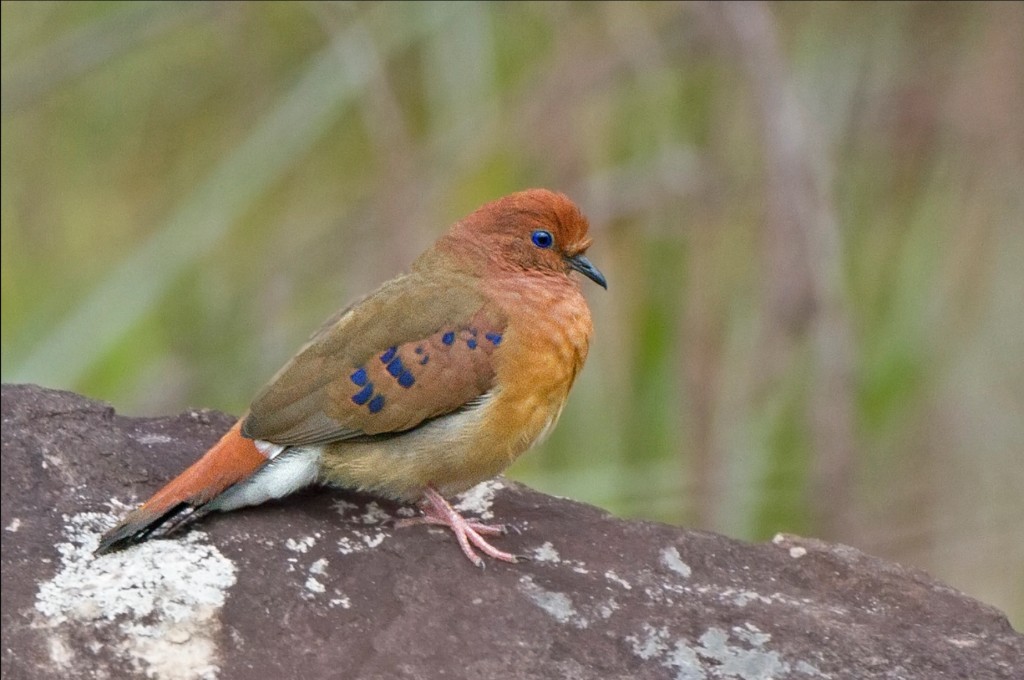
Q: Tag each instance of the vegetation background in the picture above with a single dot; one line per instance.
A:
(811, 217)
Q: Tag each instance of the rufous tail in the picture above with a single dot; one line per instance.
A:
(228, 462)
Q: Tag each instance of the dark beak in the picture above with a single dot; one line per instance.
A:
(583, 266)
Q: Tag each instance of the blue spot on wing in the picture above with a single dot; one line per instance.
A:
(388, 355)
(406, 379)
(377, 403)
(471, 343)
(363, 395)
(359, 377)
(395, 367)
(426, 358)
(448, 338)
(495, 338)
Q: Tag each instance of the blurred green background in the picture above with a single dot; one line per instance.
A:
(810, 216)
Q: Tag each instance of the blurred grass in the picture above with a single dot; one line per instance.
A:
(189, 189)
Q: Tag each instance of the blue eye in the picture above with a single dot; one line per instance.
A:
(542, 239)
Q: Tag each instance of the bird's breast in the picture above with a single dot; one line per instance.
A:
(546, 344)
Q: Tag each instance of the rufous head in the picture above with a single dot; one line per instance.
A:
(536, 230)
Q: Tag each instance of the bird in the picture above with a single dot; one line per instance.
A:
(433, 383)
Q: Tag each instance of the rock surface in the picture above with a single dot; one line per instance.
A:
(322, 586)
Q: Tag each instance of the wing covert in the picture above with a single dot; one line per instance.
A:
(412, 351)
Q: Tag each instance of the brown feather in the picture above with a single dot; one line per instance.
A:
(310, 401)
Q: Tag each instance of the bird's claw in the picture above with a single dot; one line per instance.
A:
(469, 534)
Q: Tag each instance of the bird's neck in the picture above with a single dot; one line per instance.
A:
(547, 312)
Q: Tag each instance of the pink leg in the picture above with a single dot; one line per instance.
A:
(436, 510)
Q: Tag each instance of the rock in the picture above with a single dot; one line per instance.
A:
(322, 586)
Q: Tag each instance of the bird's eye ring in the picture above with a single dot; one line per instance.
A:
(542, 238)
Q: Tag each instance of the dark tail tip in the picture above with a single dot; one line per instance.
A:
(136, 527)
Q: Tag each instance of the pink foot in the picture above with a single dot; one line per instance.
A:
(438, 511)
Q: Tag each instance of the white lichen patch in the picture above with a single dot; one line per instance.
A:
(558, 605)
(752, 634)
(608, 608)
(360, 541)
(341, 601)
(751, 662)
(962, 642)
(742, 598)
(372, 541)
(118, 508)
(546, 553)
(650, 644)
(347, 546)
(671, 558)
(301, 545)
(717, 654)
(789, 541)
(314, 587)
(159, 603)
(478, 500)
(615, 578)
(375, 514)
(655, 644)
(13, 526)
(149, 439)
(343, 507)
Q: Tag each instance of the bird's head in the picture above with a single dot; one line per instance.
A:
(534, 231)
